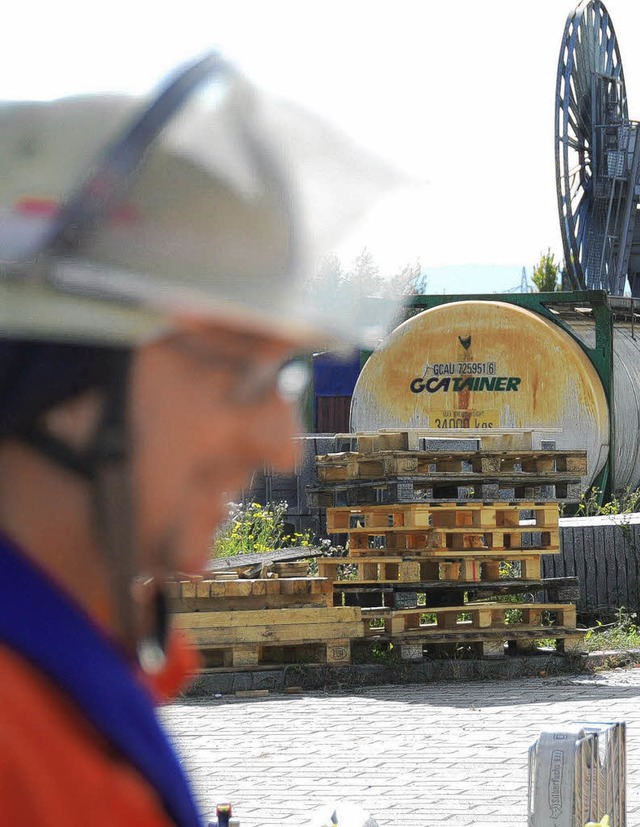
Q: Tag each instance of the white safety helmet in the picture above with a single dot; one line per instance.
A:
(119, 217)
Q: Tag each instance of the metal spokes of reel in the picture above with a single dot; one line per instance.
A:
(596, 166)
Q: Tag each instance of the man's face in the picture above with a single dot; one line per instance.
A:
(201, 426)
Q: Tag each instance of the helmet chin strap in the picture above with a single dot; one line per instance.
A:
(106, 466)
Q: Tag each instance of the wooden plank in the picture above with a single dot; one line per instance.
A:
(320, 586)
(238, 588)
(467, 633)
(431, 527)
(434, 535)
(452, 555)
(491, 570)
(409, 571)
(575, 464)
(203, 588)
(258, 588)
(531, 568)
(470, 570)
(476, 615)
(275, 633)
(547, 542)
(245, 655)
(253, 602)
(570, 643)
(188, 589)
(272, 586)
(338, 651)
(218, 588)
(294, 569)
(297, 585)
(281, 617)
(547, 516)
(239, 561)
(493, 648)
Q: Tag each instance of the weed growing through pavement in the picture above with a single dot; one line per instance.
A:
(621, 634)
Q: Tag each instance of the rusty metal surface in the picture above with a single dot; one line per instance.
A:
(477, 365)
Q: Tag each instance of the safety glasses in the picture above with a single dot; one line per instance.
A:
(252, 379)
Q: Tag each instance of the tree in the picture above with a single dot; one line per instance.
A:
(329, 275)
(546, 272)
(330, 270)
(408, 281)
(365, 276)
(364, 279)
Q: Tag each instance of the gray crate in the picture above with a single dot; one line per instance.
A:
(578, 776)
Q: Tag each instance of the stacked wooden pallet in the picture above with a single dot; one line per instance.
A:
(411, 541)
(453, 553)
(487, 626)
(241, 622)
(390, 476)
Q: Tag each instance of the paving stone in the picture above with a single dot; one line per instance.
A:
(424, 755)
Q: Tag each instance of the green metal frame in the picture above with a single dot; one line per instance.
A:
(601, 356)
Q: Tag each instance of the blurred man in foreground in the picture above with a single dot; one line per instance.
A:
(149, 309)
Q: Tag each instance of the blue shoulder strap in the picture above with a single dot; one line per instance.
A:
(37, 621)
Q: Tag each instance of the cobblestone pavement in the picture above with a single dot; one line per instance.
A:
(415, 756)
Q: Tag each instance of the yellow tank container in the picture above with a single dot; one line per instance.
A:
(477, 365)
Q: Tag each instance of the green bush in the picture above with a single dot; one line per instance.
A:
(255, 528)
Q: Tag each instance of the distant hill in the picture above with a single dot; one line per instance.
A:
(473, 278)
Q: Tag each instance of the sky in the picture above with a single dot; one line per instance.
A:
(459, 96)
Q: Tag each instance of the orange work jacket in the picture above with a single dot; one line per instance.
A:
(57, 767)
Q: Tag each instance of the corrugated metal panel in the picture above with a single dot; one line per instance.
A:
(626, 408)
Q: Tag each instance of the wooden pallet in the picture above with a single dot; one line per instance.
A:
(412, 439)
(523, 616)
(245, 634)
(249, 655)
(399, 595)
(200, 595)
(442, 515)
(461, 467)
(458, 566)
(442, 542)
(412, 489)
(477, 643)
